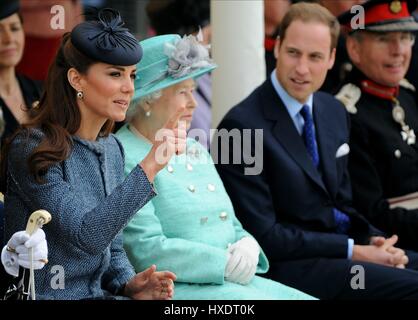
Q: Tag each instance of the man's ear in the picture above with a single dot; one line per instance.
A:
(353, 49)
(277, 47)
(332, 58)
(74, 78)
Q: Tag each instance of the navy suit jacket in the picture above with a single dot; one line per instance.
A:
(288, 207)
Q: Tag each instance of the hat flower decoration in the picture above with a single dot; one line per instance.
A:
(170, 59)
(104, 38)
(113, 33)
(187, 55)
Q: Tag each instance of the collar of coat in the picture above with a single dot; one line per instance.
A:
(378, 90)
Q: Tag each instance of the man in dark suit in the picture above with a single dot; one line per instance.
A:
(299, 205)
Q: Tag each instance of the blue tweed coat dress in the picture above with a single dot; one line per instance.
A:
(90, 203)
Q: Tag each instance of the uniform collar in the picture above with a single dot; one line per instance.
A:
(269, 43)
(378, 90)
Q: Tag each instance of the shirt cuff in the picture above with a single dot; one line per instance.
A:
(350, 248)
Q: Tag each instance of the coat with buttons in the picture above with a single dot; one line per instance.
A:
(382, 165)
(188, 226)
(90, 203)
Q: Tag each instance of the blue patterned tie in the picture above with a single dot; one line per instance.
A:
(341, 219)
(309, 136)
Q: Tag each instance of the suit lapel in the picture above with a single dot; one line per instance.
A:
(324, 135)
(285, 132)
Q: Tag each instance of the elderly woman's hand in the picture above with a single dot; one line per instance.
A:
(169, 140)
(151, 285)
(242, 260)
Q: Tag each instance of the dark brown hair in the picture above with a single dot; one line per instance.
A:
(57, 114)
(311, 12)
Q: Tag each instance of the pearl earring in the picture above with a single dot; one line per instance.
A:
(80, 95)
(148, 113)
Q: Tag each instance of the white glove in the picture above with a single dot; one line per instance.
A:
(17, 252)
(242, 260)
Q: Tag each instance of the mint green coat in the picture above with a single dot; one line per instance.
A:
(187, 227)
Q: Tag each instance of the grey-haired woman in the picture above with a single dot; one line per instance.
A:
(190, 226)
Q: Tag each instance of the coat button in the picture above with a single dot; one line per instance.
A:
(398, 154)
(211, 187)
(203, 220)
(223, 216)
(191, 188)
(189, 167)
(193, 152)
(170, 168)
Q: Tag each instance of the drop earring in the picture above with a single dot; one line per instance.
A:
(148, 113)
(80, 95)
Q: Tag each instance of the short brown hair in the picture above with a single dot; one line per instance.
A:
(308, 12)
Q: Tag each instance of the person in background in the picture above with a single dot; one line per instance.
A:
(342, 65)
(18, 94)
(274, 10)
(44, 28)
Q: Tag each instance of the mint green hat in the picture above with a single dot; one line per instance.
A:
(170, 59)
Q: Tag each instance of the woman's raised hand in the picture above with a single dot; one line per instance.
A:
(169, 140)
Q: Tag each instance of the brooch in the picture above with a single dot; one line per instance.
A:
(398, 114)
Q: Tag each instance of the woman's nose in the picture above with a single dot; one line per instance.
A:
(192, 101)
(128, 86)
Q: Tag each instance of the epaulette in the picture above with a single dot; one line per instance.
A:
(349, 94)
(407, 85)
